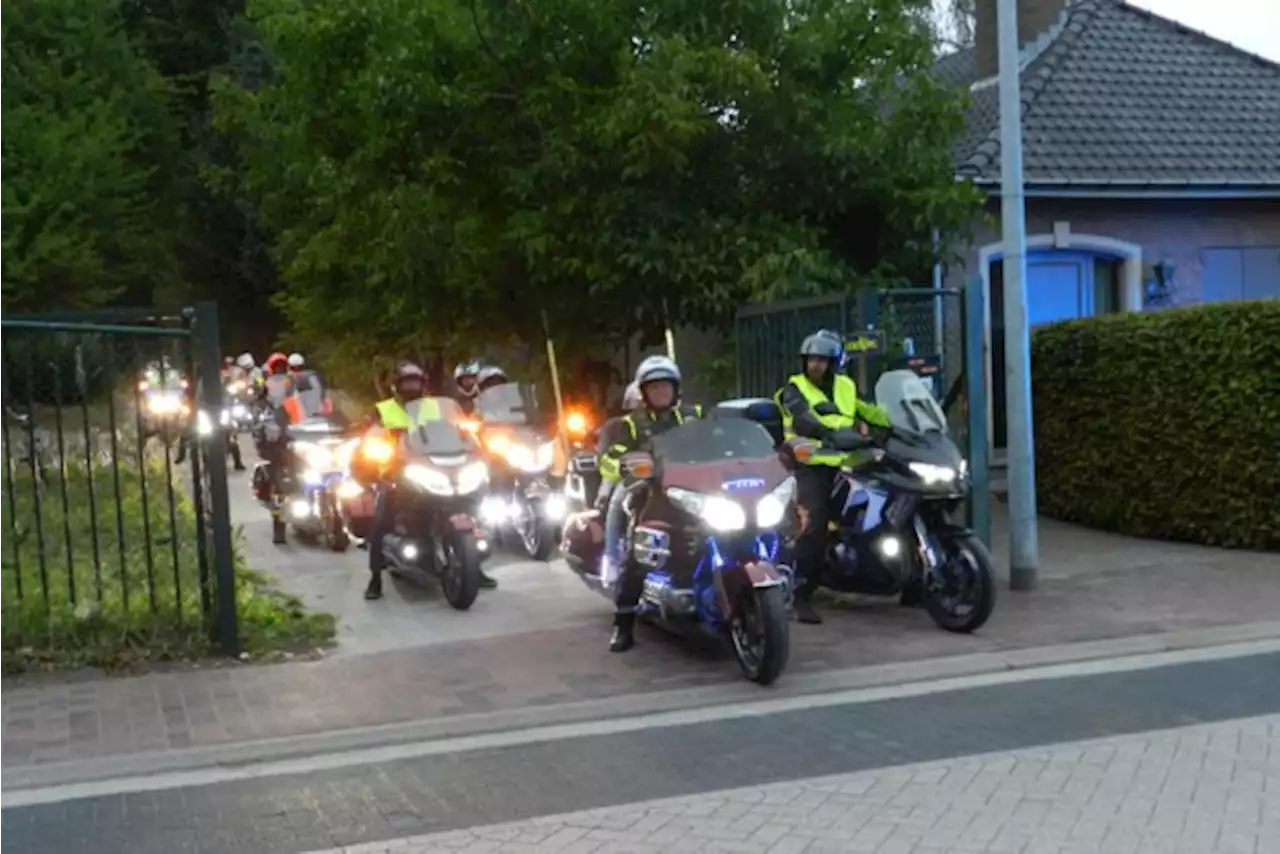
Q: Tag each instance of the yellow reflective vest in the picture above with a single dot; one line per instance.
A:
(394, 416)
(845, 393)
(610, 460)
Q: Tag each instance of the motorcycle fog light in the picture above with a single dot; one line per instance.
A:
(493, 510)
(890, 547)
(555, 507)
(482, 545)
(300, 508)
(409, 552)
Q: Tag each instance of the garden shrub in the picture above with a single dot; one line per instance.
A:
(140, 597)
(1163, 424)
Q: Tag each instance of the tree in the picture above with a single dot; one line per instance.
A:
(86, 211)
(441, 169)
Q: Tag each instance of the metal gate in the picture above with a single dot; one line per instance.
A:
(115, 523)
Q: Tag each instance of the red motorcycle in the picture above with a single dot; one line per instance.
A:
(704, 511)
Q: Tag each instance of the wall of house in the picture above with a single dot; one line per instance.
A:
(1166, 230)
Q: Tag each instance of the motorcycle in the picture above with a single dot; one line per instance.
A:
(438, 478)
(526, 494)
(582, 481)
(894, 532)
(707, 539)
(239, 406)
(205, 433)
(320, 455)
(164, 406)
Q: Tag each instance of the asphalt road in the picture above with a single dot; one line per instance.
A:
(322, 809)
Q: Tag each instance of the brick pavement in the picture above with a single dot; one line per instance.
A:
(1212, 789)
(48, 722)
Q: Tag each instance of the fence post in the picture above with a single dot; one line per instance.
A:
(976, 393)
(209, 359)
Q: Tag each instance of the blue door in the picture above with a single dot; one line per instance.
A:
(1060, 287)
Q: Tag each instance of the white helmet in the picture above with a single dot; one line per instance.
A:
(655, 369)
(296, 360)
(631, 397)
(491, 375)
(245, 361)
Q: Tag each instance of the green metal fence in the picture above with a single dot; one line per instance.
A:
(112, 524)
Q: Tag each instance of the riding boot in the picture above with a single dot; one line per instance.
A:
(624, 633)
(804, 610)
(487, 582)
(374, 590)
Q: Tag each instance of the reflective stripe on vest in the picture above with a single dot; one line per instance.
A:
(395, 417)
(846, 400)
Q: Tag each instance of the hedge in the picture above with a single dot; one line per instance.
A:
(1163, 424)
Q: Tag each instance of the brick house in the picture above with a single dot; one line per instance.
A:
(1151, 160)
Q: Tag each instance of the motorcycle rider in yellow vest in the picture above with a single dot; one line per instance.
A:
(658, 410)
(408, 383)
(819, 403)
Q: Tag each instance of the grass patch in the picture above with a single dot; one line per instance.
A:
(99, 567)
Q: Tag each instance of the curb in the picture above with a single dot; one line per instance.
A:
(489, 723)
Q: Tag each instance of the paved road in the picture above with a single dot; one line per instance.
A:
(1182, 792)
(532, 596)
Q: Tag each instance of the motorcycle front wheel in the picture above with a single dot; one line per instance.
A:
(962, 594)
(761, 634)
(537, 534)
(460, 575)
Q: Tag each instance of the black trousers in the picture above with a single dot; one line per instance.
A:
(383, 517)
(813, 496)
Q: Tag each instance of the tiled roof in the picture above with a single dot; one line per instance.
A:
(1122, 97)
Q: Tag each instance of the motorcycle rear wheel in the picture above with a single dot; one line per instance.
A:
(979, 593)
(761, 634)
(460, 575)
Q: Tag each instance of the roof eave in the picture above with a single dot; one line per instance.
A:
(1039, 188)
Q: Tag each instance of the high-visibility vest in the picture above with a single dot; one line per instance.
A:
(610, 465)
(845, 393)
(394, 416)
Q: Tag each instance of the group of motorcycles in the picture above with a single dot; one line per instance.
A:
(710, 507)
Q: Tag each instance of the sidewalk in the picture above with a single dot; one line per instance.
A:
(1158, 588)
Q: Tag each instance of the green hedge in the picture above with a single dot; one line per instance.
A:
(1163, 424)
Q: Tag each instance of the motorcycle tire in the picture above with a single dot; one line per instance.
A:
(542, 540)
(279, 531)
(765, 665)
(983, 597)
(460, 576)
(336, 536)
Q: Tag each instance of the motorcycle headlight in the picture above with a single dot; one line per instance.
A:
(204, 424)
(239, 410)
(772, 509)
(931, 474)
(472, 476)
(164, 404)
(546, 454)
(719, 513)
(527, 459)
(432, 480)
(225, 418)
(315, 456)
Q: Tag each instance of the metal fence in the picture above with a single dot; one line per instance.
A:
(114, 524)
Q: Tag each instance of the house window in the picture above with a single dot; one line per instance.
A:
(1232, 273)
(1106, 286)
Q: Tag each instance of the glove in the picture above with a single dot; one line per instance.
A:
(826, 408)
(848, 439)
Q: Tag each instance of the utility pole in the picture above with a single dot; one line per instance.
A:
(1024, 546)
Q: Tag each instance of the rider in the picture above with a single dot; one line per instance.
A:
(658, 383)
(490, 376)
(276, 382)
(817, 403)
(409, 383)
(464, 381)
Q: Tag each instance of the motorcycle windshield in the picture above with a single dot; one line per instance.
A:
(911, 407)
(515, 404)
(437, 439)
(713, 440)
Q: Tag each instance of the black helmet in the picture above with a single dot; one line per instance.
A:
(823, 343)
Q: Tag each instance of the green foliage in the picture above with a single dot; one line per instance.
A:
(86, 213)
(140, 600)
(1163, 424)
(442, 170)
